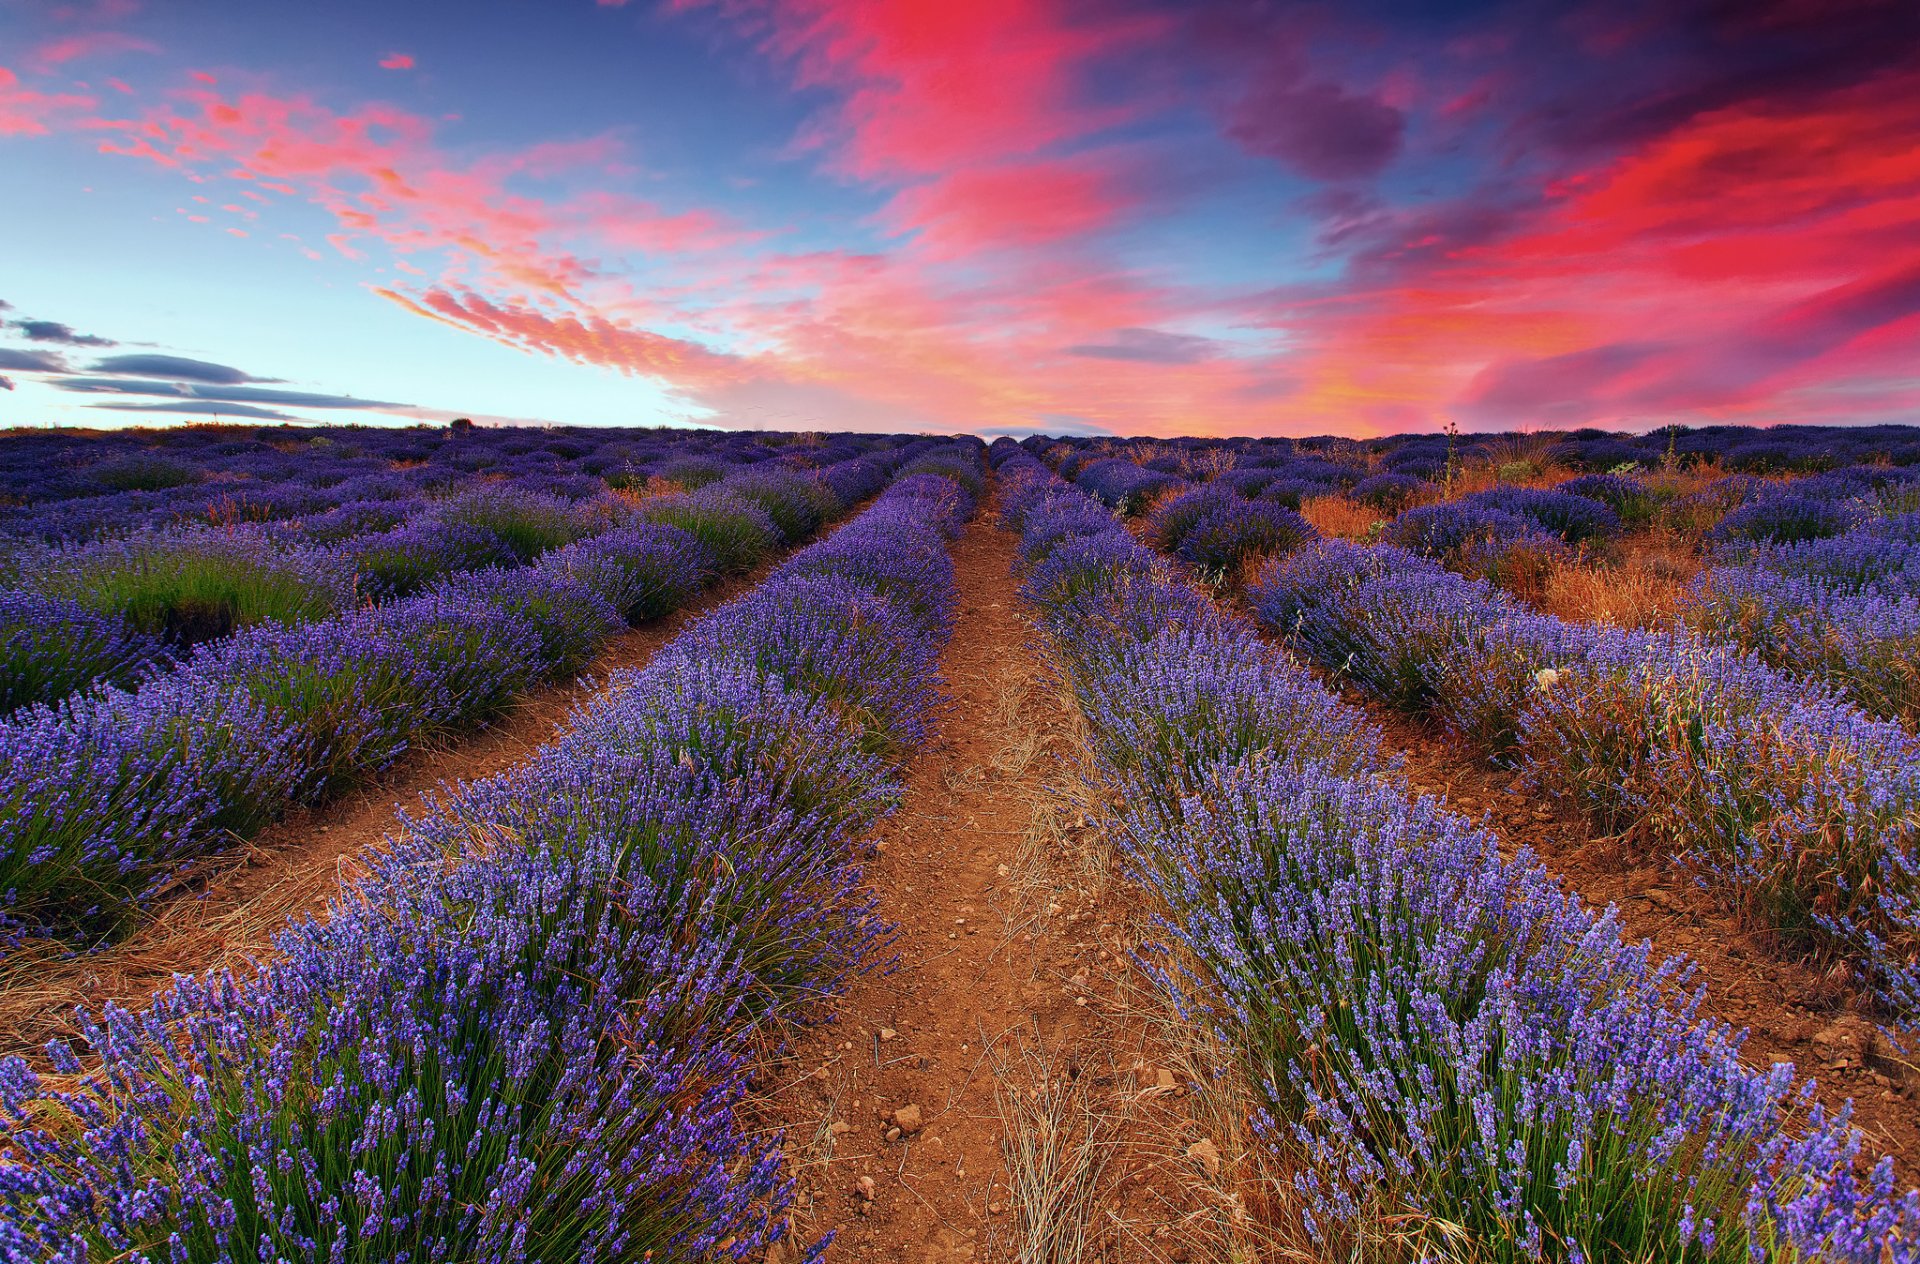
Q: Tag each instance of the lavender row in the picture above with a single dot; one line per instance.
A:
(1445, 1049)
(120, 611)
(1802, 809)
(1844, 610)
(105, 799)
(1813, 574)
(1391, 472)
(528, 1034)
(123, 611)
(77, 485)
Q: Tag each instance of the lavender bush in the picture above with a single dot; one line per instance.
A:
(54, 646)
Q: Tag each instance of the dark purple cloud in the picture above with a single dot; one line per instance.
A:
(226, 394)
(1696, 56)
(31, 361)
(1319, 129)
(209, 408)
(54, 331)
(174, 368)
(1407, 239)
(1147, 346)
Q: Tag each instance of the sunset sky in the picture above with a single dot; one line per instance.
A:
(993, 215)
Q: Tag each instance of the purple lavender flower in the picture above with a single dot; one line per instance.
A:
(53, 646)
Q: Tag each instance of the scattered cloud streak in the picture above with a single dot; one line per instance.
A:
(174, 368)
(55, 332)
(31, 361)
(1148, 346)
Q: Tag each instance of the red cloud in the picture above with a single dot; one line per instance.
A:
(90, 44)
(397, 61)
(1728, 260)
(1744, 257)
(583, 338)
(931, 86)
(24, 112)
(1016, 204)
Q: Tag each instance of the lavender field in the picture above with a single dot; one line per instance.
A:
(1442, 847)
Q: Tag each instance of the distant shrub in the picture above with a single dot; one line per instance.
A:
(1574, 518)
(1783, 517)
(692, 472)
(570, 621)
(1226, 539)
(642, 571)
(1629, 497)
(143, 472)
(404, 561)
(797, 504)
(1124, 486)
(529, 523)
(1445, 531)
(1175, 516)
(736, 531)
(1389, 492)
(195, 587)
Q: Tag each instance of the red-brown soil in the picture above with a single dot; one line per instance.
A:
(1012, 1015)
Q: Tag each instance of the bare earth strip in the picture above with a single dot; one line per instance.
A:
(1000, 1092)
(908, 1055)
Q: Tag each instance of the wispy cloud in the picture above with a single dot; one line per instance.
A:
(56, 332)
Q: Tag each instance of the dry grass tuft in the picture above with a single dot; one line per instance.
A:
(1339, 518)
(1645, 588)
(42, 984)
(1059, 1145)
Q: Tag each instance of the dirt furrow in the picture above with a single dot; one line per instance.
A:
(891, 1107)
(1006, 1090)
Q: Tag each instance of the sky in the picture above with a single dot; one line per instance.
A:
(1003, 216)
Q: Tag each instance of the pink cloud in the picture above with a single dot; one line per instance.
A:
(928, 87)
(397, 61)
(1023, 204)
(89, 45)
(583, 338)
(25, 112)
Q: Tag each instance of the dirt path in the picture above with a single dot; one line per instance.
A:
(1792, 1012)
(971, 970)
(295, 865)
(891, 1110)
(1010, 1088)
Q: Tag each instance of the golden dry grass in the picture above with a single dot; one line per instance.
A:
(1339, 518)
(42, 983)
(1644, 587)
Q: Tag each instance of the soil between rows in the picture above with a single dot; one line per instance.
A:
(1012, 980)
